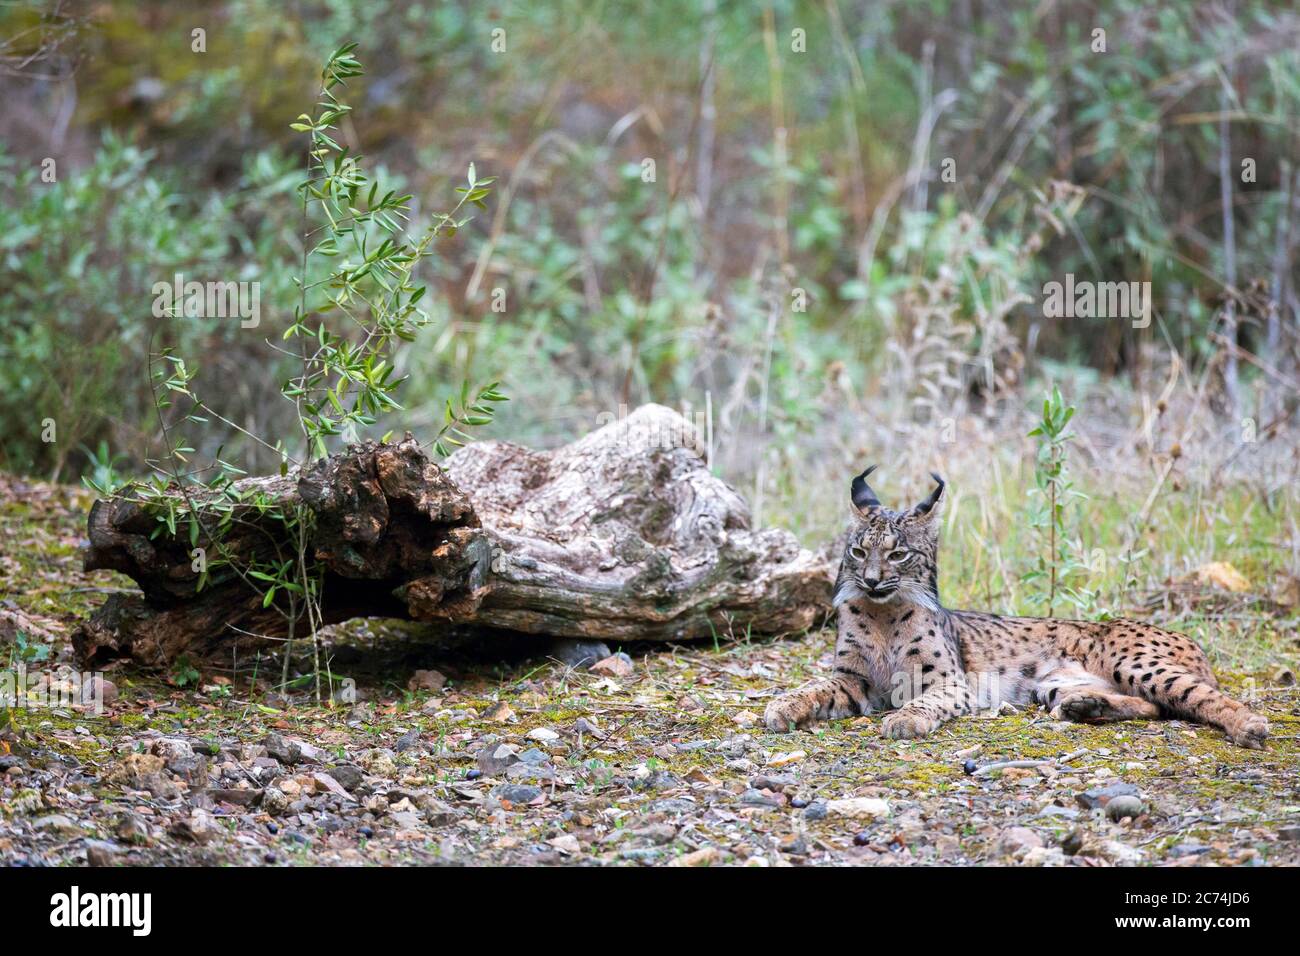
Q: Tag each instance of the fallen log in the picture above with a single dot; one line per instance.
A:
(623, 535)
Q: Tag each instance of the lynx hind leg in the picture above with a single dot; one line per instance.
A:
(826, 699)
(1074, 693)
(1185, 693)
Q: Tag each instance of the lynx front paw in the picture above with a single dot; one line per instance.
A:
(902, 724)
(1250, 732)
(788, 712)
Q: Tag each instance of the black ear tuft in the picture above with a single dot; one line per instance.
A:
(925, 506)
(863, 496)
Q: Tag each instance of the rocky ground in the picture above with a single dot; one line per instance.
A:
(531, 755)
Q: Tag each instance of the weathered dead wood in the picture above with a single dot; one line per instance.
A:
(622, 535)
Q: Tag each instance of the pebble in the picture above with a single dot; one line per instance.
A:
(1100, 796)
(782, 759)
(1123, 806)
(615, 665)
(492, 760)
(1064, 813)
(517, 793)
(857, 807)
(57, 823)
(101, 853)
(817, 810)
(1290, 834)
(1018, 838)
(348, 776)
(758, 798)
(1072, 842)
(133, 830)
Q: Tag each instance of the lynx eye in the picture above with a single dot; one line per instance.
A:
(857, 553)
(897, 557)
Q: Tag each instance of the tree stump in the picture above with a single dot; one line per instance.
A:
(623, 535)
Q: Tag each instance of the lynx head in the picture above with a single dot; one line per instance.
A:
(891, 554)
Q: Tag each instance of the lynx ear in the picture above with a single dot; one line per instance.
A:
(862, 495)
(928, 505)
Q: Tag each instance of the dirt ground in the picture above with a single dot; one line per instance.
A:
(518, 758)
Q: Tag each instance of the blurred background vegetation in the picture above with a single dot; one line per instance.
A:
(798, 155)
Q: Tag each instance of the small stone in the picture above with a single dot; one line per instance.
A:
(657, 833)
(758, 798)
(615, 665)
(794, 844)
(544, 734)
(366, 832)
(744, 719)
(1014, 839)
(798, 803)
(584, 726)
(1289, 834)
(673, 806)
(326, 783)
(857, 808)
(783, 759)
(1100, 796)
(275, 801)
(861, 839)
(1063, 813)
(101, 687)
(1190, 847)
(377, 761)
(499, 712)
(427, 680)
(774, 782)
(701, 857)
(1121, 853)
(473, 774)
(406, 741)
(348, 776)
(567, 844)
(580, 654)
(1072, 842)
(282, 750)
(517, 793)
(493, 760)
(969, 767)
(198, 828)
(406, 820)
(57, 823)
(131, 829)
(1117, 808)
(817, 810)
(101, 853)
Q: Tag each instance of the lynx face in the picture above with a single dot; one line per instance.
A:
(890, 554)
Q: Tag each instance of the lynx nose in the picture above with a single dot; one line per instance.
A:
(871, 582)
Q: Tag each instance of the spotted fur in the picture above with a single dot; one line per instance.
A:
(898, 649)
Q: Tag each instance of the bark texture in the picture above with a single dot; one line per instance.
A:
(622, 535)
